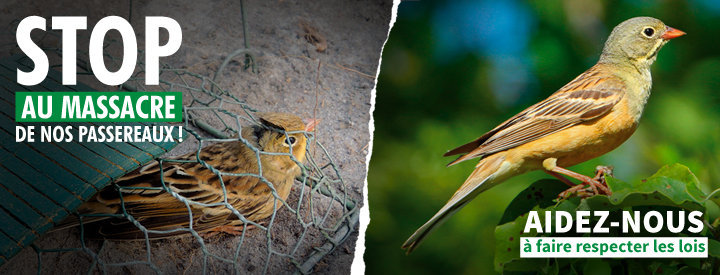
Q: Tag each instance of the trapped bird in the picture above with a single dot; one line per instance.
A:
(586, 118)
(155, 209)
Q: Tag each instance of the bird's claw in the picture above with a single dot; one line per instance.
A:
(601, 172)
(595, 186)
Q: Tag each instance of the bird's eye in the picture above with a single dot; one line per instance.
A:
(290, 141)
(649, 32)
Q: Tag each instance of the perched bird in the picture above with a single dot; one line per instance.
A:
(156, 209)
(586, 118)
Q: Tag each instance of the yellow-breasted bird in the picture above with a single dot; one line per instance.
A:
(586, 118)
(156, 209)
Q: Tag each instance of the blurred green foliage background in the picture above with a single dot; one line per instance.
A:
(452, 70)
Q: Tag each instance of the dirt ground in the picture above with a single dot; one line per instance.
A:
(314, 58)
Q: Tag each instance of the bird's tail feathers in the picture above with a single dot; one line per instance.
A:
(90, 207)
(74, 221)
(487, 174)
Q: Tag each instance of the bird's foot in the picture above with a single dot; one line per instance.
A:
(601, 172)
(589, 186)
(235, 230)
(592, 187)
(581, 190)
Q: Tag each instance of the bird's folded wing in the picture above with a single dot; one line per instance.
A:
(589, 96)
(143, 196)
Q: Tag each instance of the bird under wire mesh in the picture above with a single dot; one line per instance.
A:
(228, 182)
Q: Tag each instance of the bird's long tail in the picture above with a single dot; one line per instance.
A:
(489, 172)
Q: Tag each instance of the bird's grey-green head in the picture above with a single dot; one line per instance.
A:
(637, 41)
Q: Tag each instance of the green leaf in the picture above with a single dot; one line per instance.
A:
(596, 266)
(714, 196)
(538, 195)
(507, 240)
(507, 247)
(713, 248)
(675, 181)
(541, 193)
(672, 186)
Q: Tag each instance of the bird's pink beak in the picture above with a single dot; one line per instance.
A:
(671, 33)
(311, 123)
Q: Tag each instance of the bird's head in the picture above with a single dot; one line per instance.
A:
(282, 133)
(637, 41)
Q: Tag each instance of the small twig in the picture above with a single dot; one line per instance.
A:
(336, 65)
(354, 71)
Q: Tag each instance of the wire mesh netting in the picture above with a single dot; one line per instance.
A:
(318, 207)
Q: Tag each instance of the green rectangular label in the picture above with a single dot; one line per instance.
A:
(98, 106)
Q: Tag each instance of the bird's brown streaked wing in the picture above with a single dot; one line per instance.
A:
(185, 175)
(146, 201)
(470, 146)
(590, 95)
(190, 180)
